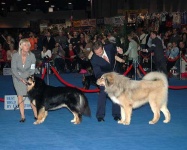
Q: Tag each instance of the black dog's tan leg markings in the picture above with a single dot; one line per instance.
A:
(76, 118)
(34, 102)
(42, 114)
(45, 115)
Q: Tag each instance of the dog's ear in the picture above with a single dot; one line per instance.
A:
(109, 80)
(33, 80)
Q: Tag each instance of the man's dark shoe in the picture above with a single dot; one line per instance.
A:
(117, 118)
(100, 119)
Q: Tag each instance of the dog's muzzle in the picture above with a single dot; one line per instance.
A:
(28, 83)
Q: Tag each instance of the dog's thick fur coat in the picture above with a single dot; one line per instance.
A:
(130, 94)
(46, 97)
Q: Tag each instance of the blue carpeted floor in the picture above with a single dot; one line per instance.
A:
(58, 133)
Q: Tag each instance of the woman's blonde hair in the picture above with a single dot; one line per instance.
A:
(21, 42)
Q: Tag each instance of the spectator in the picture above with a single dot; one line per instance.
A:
(61, 39)
(184, 35)
(58, 56)
(49, 41)
(183, 51)
(9, 40)
(33, 40)
(157, 50)
(70, 55)
(46, 54)
(3, 57)
(143, 39)
(132, 52)
(10, 53)
(175, 37)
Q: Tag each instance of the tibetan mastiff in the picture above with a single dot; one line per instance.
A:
(130, 94)
(46, 97)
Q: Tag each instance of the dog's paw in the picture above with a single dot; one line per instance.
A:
(166, 121)
(76, 122)
(151, 122)
(36, 122)
(121, 121)
(126, 123)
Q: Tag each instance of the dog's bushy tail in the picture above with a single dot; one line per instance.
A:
(84, 106)
(153, 76)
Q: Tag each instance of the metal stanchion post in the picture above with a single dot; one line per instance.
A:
(135, 69)
(47, 72)
(180, 65)
(151, 62)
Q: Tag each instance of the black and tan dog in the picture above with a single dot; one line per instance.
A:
(46, 97)
(89, 80)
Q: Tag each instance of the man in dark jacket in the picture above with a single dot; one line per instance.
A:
(103, 61)
(158, 53)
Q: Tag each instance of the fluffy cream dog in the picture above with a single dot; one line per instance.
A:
(130, 94)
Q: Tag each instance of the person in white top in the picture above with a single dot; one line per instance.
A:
(46, 56)
(46, 53)
(143, 39)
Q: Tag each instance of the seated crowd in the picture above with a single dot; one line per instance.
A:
(72, 51)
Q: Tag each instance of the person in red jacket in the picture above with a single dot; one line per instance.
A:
(3, 57)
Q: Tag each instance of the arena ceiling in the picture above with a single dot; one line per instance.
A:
(43, 5)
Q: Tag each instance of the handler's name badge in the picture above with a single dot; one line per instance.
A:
(32, 66)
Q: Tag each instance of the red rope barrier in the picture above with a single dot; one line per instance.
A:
(147, 56)
(1, 99)
(184, 58)
(43, 73)
(177, 87)
(140, 67)
(97, 90)
(127, 71)
(70, 85)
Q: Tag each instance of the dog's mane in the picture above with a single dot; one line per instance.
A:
(120, 84)
(117, 86)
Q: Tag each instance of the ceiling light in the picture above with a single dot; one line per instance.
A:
(69, 3)
(3, 3)
(29, 4)
(24, 9)
(46, 1)
(50, 9)
(52, 6)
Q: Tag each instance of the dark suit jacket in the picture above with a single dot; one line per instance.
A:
(158, 50)
(101, 66)
(50, 44)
